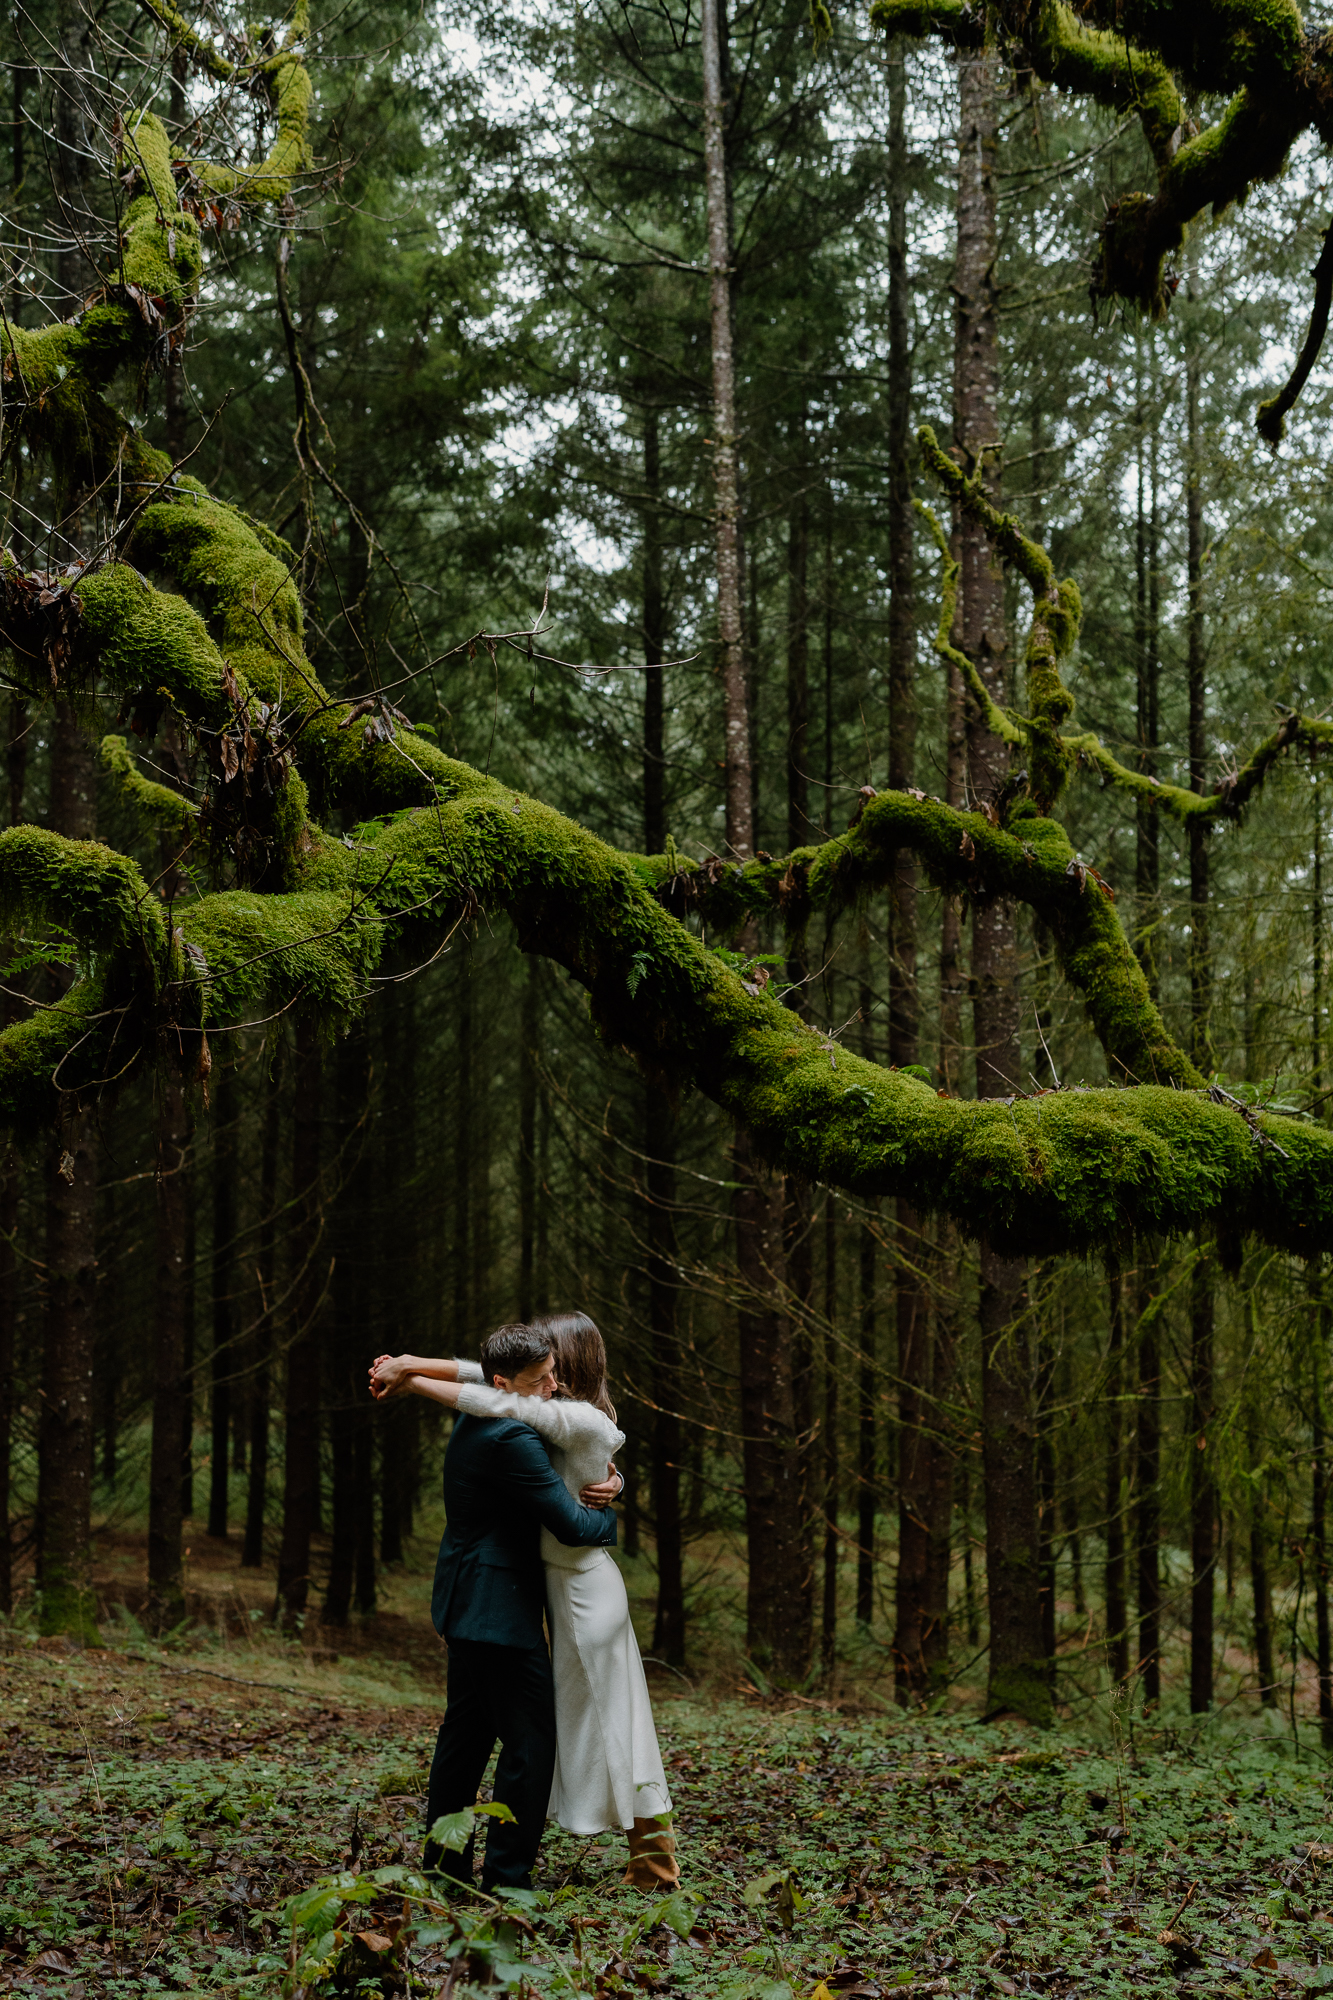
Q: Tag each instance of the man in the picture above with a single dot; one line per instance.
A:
(500, 1490)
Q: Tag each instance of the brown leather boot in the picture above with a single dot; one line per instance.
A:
(652, 1855)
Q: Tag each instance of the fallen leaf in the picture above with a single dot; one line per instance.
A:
(374, 1941)
(53, 1960)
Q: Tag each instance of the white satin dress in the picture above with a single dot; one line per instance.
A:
(608, 1768)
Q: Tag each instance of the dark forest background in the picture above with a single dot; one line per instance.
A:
(498, 277)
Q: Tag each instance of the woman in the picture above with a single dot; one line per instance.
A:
(608, 1769)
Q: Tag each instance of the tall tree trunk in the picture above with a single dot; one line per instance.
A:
(833, 1348)
(920, 1622)
(1319, 1510)
(528, 1056)
(726, 458)
(798, 1249)
(464, 1163)
(1019, 1673)
(300, 1483)
(1117, 1581)
(1147, 1523)
(828, 1643)
(174, 1290)
(1203, 1484)
(1148, 1472)
(349, 1352)
(1261, 1587)
(1047, 1523)
(226, 1117)
(483, 1137)
(252, 1554)
(16, 761)
(776, 1632)
(65, 1425)
(399, 1425)
(659, 1121)
(166, 1571)
(777, 1596)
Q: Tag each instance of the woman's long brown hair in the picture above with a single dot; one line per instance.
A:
(580, 1357)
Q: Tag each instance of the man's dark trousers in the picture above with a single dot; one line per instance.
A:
(504, 1694)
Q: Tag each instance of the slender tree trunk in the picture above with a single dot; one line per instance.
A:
(348, 1352)
(828, 1644)
(777, 1600)
(1149, 1471)
(726, 459)
(398, 1424)
(166, 1574)
(483, 1138)
(1261, 1585)
(660, 1189)
(1147, 1525)
(866, 1432)
(776, 1633)
(1019, 1673)
(226, 1117)
(528, 1056)
(1046, 1496)
(1319, 1504)
(920, 1623)
(252, 1554)
(16, 764)
(300, 1493)
(659, 1120)
(465, 1165)
(1203, 1484)
(1116, 1576)
(65, 1425)
(798, 1216)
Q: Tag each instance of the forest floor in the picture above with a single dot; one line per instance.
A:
(238, 1814)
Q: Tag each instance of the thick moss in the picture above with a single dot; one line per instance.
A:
(98, 896)
(157, 805)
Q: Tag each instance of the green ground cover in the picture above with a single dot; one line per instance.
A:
(164, 1818)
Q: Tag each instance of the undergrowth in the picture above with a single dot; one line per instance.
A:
(170, 1828)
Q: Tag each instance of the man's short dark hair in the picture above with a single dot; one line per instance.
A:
(511, 1349)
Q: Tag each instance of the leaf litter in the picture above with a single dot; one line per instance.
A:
(265, 1844)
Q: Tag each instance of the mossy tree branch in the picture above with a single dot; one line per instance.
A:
(299, 920)
(1064, 1170)
(1138, 56)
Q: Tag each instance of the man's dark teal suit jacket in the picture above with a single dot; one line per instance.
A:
(500, 1490)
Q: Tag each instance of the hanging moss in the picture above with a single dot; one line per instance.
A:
(157, 805)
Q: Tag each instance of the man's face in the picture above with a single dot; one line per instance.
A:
(536, 1380)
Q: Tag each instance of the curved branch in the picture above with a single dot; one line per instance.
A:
(1270, 419)
(1255, 52)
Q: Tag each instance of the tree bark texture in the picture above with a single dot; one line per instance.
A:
(778, 1591)
(1117, 1580)
(226, 1119)
(1019, 1675)
(166, 1568)
(1148, 1473)
(349, 1351)
(726, 456)
(300, 1484)
(65, 1426)
(252, 1553)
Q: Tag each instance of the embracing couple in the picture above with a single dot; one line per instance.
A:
(526, 1532)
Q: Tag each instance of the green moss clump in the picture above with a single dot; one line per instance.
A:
(98, 896)
(156, 804)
